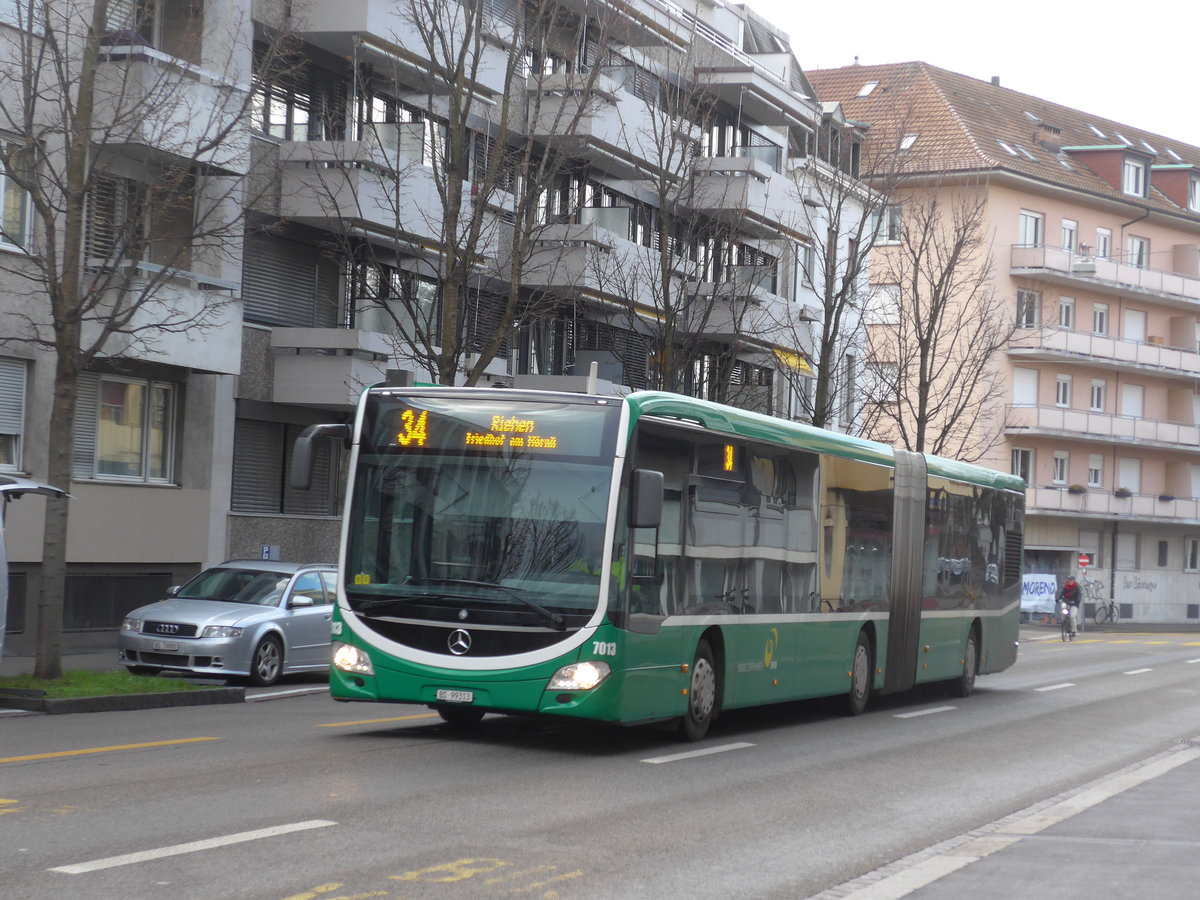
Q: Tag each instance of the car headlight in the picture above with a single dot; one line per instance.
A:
(581, 676)
(351, 659)
(129, 624)
(222, 631)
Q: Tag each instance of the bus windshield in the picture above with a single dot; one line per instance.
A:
(490, 504)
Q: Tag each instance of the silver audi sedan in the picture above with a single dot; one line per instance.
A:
(246, 618)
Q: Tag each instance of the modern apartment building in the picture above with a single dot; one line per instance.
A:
(374, 188)
(1095, 230)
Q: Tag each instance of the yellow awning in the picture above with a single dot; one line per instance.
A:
(794, 361)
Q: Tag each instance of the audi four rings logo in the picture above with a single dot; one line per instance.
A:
(459, 641)
(167, 629)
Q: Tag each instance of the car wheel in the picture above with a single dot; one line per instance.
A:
(267, 663)
(142, 670)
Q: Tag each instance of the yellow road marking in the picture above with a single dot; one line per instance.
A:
(378, 721)
(58, 754)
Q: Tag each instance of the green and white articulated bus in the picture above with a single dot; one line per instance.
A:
(654, 557)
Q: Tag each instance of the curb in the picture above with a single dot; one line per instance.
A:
(121, 702)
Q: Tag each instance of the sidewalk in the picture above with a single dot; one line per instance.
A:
(1128, 836)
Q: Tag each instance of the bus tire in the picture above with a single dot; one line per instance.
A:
(703, 691)
(460, 716)
(964, 685)
(861, 667)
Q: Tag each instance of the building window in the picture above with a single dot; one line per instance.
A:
(13, 374)
(1062, 390)
(1191, 555)
(1022, 464)
(1137, 251)
(1103, 243)
(125, 429)
(1029, 305)
(1031, 227)
(14, 203)
(808, 264)
(1099, 391)
(1100, 318)
(1070, 234)
(879, 382)
(1194, 194)
(1062, 466)
(1133, 177)
(1162, 554)
(1066, 312)
(1095, 476)
(889, 225)
(883, 305)
(262, 454)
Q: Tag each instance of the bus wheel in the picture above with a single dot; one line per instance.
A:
(702, 695)
(460, 716)
(860, 676)
(964, 685)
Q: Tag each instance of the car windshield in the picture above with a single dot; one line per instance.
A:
(236, 586)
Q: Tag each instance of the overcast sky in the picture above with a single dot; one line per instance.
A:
(1085, 56)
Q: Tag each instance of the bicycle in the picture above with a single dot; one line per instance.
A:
(1107, 611)
(1067, 611)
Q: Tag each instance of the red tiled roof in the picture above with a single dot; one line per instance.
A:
(960, 122)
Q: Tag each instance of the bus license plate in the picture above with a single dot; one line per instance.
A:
(456, 696)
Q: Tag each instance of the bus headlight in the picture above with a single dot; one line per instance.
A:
(581, 676)
(351, 659)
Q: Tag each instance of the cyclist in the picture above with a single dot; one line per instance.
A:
(1070, 596)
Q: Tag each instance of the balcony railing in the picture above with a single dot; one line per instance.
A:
(1104, 272)
(1152, 354)
(1103, 503)
(1090, 425)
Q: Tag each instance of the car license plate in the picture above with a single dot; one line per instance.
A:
(455, 696)
(165, 645)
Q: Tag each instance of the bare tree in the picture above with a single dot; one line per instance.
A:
(466, 165)
(937, 327)
(131, 155)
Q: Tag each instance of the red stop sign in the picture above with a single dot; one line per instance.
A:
(1084, 560)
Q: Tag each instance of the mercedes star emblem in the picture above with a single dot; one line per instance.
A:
(459, 641)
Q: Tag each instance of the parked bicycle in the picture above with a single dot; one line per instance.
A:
(1107, 611)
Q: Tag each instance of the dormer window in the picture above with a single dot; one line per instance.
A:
(1133, 177)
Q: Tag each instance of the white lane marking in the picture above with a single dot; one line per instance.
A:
(925, 712)
(1138, 671)
(1056, 687)
(1191, 661)
(691, 754)
(193, 847)
(250, 698)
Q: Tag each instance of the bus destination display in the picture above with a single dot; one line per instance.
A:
(416, 429)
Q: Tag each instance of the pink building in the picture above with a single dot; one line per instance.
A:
(1096, 246)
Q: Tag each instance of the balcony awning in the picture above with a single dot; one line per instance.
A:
(794, 361)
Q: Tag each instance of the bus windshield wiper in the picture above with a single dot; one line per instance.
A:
(549, 615)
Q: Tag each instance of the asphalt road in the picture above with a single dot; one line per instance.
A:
(300, 797)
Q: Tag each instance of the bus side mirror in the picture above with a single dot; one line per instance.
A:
(645, 498)
(300, 477)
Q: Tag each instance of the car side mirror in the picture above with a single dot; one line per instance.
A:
(301, 600)
(173, 590)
